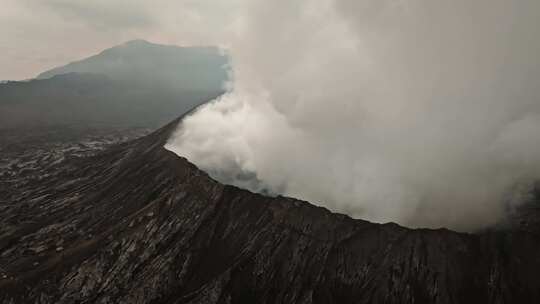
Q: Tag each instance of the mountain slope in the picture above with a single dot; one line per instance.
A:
(92, 99)
(138, 224)
(134, 84)
(142, 62)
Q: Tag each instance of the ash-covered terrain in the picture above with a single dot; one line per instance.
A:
(135, 223)
(423, 112)
(31, 155)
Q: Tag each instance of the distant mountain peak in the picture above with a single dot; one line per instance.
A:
(141, 43)
(136, 82)
(142, 62)
(138, 42)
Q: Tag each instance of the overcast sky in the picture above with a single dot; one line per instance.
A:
(36, 35)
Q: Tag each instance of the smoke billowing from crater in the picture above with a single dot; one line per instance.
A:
(420, 112)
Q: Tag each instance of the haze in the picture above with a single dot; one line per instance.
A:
(424, 113)
(420, 112)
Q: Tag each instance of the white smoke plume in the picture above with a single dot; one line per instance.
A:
(422, 112)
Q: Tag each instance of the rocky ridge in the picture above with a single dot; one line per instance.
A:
(138, 224)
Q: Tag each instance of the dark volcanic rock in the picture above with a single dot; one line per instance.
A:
(137, 224)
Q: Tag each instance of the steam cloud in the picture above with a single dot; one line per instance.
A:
(421, 112)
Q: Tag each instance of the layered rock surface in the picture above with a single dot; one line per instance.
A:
(138, 224)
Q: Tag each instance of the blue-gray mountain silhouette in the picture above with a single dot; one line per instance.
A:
(134, 84)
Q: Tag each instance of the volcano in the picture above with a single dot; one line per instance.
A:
(134, 84)
(138, 224)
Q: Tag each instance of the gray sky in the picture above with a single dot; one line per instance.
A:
(36, 35)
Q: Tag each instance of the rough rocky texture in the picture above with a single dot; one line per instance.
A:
(31, 155)
(137, 224)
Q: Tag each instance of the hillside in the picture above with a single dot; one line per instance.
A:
(135, 84)
(138, 224)
(145, 63)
